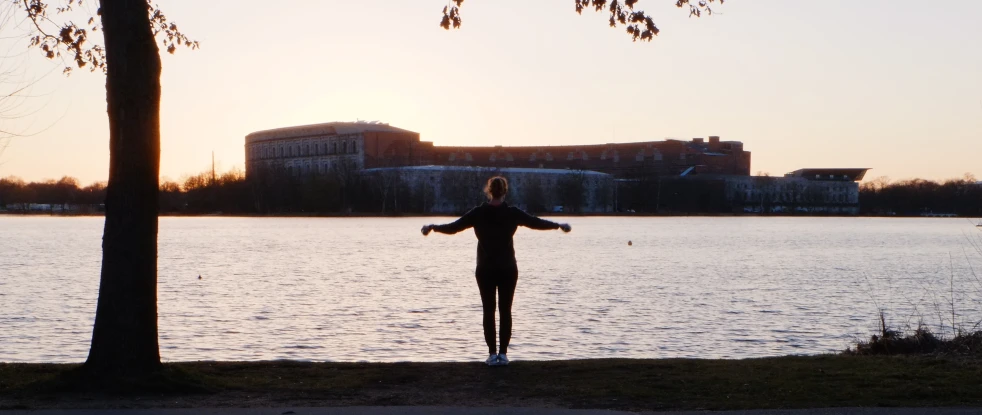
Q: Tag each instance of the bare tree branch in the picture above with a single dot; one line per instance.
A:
(55, 39)
(639, 26)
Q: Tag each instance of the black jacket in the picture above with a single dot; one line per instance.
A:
(495, 226)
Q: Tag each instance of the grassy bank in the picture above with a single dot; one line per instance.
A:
(784, 382)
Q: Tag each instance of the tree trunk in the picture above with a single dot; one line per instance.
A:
(124, 339)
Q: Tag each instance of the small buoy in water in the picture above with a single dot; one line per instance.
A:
(199, 276)
(628, 244)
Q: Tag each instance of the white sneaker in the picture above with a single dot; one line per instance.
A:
(502, 360)
(492, 360)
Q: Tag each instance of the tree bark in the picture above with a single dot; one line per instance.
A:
(124, 339)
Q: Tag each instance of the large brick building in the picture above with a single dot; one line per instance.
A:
(697, 175)
(669, 157)
(319, 148)
(312, 149)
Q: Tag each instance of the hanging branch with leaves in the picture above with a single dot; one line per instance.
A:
(54, 38)
(639, 25)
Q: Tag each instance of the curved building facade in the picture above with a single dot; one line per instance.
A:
(319, 148)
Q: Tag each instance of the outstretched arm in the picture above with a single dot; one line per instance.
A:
(451, 228)
(533, 222)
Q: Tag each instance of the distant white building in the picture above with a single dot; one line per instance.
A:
(453, 189)
(827, 191)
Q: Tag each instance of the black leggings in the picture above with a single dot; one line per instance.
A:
(504, 280)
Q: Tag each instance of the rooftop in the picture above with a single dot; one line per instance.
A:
(328, 128)
(854, 174)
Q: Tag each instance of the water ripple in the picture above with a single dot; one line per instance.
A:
(323, 289)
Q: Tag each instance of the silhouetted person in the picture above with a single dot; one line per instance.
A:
(494, 224)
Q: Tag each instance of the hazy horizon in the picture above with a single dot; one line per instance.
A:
(890, 85)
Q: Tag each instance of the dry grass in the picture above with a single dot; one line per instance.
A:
(921, 341)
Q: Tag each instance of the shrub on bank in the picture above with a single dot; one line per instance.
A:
(919, 341)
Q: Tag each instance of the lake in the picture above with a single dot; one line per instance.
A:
(375, 289)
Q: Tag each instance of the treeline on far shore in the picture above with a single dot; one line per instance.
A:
(345, 192)
(914, 197)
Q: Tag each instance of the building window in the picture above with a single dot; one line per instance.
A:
(344, 147)
(279, 152)
(354, 146)
(306, 149)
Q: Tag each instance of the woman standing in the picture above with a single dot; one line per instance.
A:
(494, 224)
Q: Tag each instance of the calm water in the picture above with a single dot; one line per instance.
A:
(376, 290)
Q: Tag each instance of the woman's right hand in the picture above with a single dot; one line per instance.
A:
(426, 229)
(565, 227)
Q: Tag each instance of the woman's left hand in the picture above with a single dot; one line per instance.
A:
(426, 229)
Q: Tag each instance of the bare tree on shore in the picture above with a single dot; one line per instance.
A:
(572, 190)
(533, 195)
(124, 337)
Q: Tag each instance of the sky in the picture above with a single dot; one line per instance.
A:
(892, 85)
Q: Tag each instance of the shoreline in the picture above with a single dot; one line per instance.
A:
(622, 384)
(430, 215)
